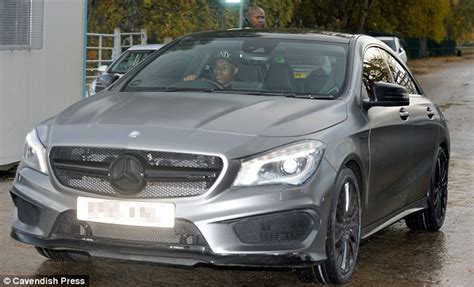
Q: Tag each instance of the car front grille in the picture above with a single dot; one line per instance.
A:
(165, 174)
(184, 233)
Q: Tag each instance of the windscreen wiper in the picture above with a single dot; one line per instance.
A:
(314, 97)
(291, 95)
(187, 89)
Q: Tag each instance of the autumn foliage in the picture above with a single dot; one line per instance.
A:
(434, 19)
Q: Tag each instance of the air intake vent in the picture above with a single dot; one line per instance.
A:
(277, 228)
(184, 233)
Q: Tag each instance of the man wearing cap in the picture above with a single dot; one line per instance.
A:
(223, 69)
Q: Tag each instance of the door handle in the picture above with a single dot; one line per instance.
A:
(404, 114)
(430, 112)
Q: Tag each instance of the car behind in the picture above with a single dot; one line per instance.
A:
(127, 60)
(395, 44)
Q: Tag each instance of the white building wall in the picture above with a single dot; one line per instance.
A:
(37, 84)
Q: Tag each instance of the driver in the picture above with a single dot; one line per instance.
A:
(223, 69)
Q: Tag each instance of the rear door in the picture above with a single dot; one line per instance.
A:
(426, 122)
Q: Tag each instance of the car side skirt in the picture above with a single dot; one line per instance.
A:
(392, 218)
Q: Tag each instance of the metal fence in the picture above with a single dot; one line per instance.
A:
(102, 49)
(420, 48)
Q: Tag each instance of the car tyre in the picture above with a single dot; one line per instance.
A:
(343, 235)
(62, 255)
(432, 218)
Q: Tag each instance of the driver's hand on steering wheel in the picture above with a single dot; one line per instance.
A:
(190, 78)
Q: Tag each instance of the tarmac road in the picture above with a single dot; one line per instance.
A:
(394, 256)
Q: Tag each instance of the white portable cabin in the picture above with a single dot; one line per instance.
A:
(41, 65)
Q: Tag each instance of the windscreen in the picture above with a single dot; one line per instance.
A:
(247, 66)
(128, 60)
(390, 43)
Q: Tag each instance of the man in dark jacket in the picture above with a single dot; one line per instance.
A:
(255, 18)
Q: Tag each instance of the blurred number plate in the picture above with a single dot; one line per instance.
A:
(136, 213)
(299, 75)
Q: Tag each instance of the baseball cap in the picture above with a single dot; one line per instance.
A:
(225, 55)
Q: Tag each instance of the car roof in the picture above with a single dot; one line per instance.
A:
(295, 34)
(386, 38)
(146, 47)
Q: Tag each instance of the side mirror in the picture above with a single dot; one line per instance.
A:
(388, 95)
(114, 78)
(102, 69)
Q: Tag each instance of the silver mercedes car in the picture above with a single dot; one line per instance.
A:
(239, 148)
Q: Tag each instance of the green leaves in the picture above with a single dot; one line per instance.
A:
(433, 19)
(420, 19)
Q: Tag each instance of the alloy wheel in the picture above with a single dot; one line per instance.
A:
(346, 229)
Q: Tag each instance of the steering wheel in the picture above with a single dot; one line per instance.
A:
(214, 83)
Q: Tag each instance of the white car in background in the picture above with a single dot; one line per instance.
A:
(127, 60)
(395, 44)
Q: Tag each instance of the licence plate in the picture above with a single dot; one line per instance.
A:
(299, 75)
(136, 213)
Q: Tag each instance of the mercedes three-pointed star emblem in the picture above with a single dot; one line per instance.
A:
(126, 175)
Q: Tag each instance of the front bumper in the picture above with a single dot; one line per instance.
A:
(208, 235)
(163, 255)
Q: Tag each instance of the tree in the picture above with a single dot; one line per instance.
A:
(278, 13)
(160, 18)
(346, 15)
(175, 18)
(420, 19)
(461, 19)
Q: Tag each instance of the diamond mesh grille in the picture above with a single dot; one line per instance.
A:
(90, 171)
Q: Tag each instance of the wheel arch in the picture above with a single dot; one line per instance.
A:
(354, 163)
(444, 145)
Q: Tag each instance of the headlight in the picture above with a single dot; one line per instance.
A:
(292, 164)
(34, 154)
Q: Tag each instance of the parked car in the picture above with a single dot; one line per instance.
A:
(127, 60)
(395, 44)
(320, 140)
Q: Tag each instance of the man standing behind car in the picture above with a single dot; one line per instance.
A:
(255, 18)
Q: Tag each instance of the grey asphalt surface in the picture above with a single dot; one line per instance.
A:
(392, 257)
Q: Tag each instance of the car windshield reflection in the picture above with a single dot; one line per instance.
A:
(252, 65)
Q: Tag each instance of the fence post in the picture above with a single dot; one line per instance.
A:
(144, 37)
(424, 48)
(117, 46)
(100, 52)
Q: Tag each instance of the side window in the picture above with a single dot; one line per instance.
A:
(375, 69)
(21, 24)
(399, 74)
